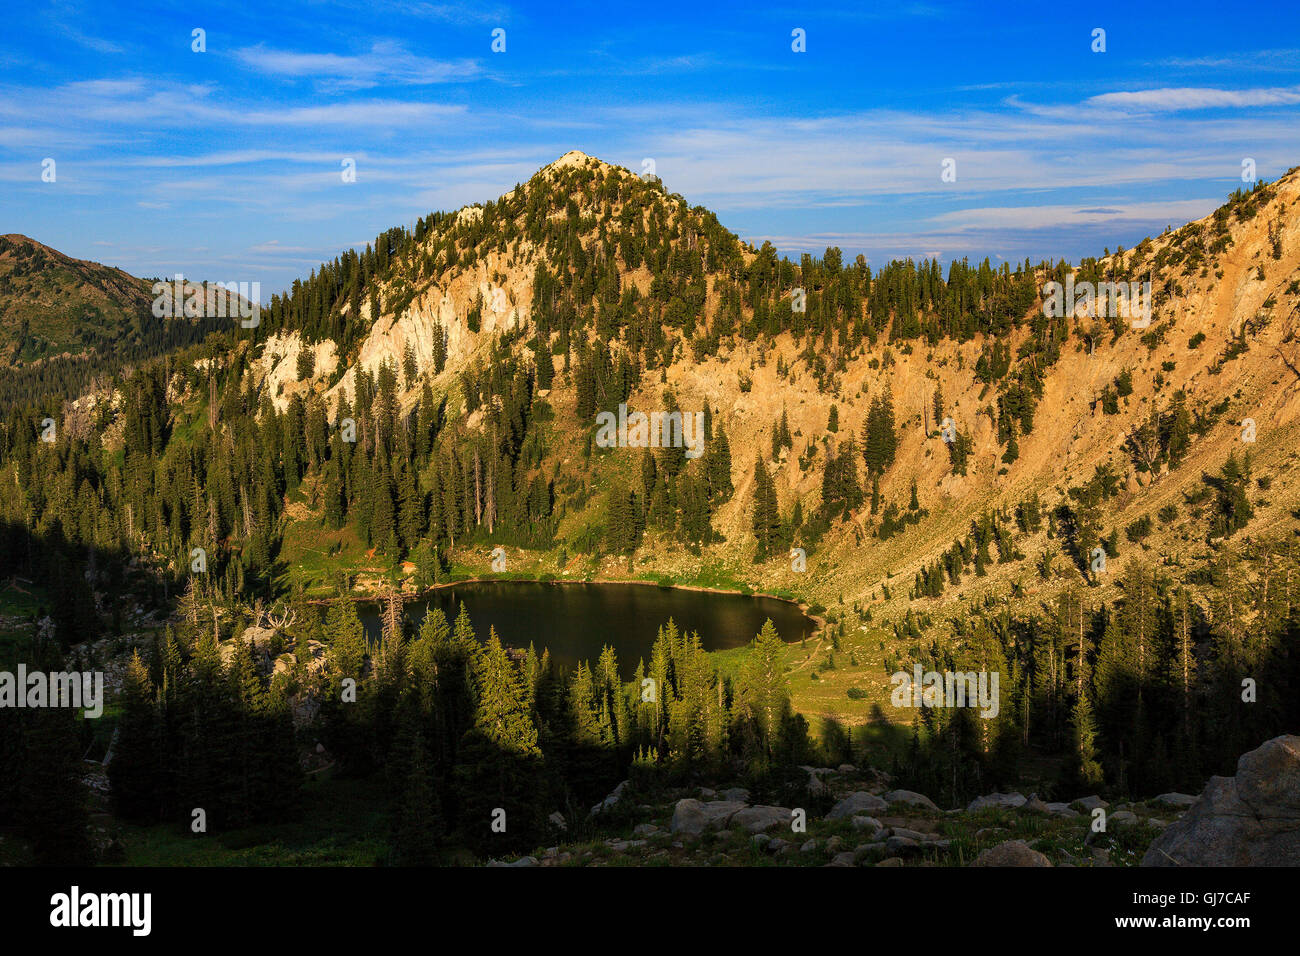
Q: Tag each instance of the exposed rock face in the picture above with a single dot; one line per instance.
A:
(277, 367)
(1011, 853)
(259, 639)
(286, 662)
(1252, 819)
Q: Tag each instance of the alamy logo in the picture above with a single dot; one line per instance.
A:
(214, 300)
(73, 909)
(658, 430)
(1129, 300)
(946, 689)
(78, 690)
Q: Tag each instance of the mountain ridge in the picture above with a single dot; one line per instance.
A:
(1093, 439)
(482, 284)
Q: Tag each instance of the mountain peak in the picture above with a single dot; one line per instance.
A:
(575, 157)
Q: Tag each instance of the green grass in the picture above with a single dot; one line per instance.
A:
(343, 823)
(17, 605)
(24, 601)
(312, 554)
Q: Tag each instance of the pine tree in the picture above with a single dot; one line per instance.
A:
(1087, 771)
(132, 772)
(418, 822)
(763, 694)
(766, 517)
(718, 465)
(499, 768)
(879, 440)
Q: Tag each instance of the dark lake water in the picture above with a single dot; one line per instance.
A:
(576, 620)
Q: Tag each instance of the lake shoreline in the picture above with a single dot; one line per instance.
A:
(407, 596)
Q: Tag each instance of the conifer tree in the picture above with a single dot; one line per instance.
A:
(766, 517)
(763, 695)
(499, 769)
(136, 756)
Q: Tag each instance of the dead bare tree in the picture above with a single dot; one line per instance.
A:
(268, 618)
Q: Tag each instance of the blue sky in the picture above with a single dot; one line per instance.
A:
(225, 164)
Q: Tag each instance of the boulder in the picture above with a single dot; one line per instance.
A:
(1088, 804)
(1004, 801)
(901, 845)
(1268, 778)
(259, 639)
(1179, 800)
(611, 801)
(1034, 805)
(855, 803)
(865, 850)
(1251, 819)
(862, 822)
(911, 798)
(693, 817)
(761, 818)
(1011, 853)
(843, 859)
(1125, 818)
(909, 834)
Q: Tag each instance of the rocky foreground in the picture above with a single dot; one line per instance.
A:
(1250, 819)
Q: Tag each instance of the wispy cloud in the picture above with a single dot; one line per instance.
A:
(1046, 216)
(386, 62)
(142, 105)
(1282, 61)
(461, 13)
(1174, 99)
(66, 19)
(1055, 155)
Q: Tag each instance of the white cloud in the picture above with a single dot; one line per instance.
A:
(1285, 61)
(386, 62)
(1045, 216)
(1171, 99)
